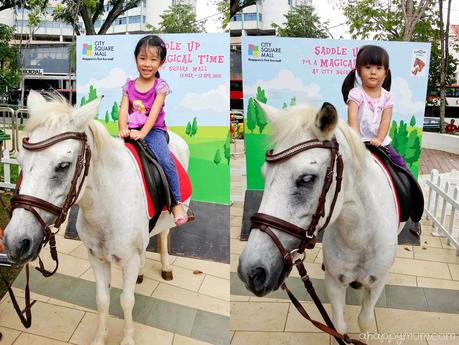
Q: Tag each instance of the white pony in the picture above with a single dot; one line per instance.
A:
(359, 244)
(112, 222)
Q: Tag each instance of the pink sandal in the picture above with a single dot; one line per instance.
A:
(180, 220)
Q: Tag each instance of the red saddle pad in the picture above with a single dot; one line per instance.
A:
(184, 179)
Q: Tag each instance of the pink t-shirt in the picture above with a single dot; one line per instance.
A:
(370, 111)
(140, 103)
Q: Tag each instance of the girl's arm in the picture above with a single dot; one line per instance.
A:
(151, 119)
(386, 118)
(352, 115)
(122, 117)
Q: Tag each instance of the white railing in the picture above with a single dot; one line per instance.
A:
(7, 162)
(446, 189)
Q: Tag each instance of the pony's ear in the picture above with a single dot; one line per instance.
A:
(271, 113)
(81, 116)
(35, 103)
(325, 122)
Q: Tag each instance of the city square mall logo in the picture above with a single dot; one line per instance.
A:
(254, 50)
(87, 49)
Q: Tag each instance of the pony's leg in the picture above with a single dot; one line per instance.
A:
(142, 265)
(102, 272)
(337, 294)
(127, 299)
(370, 297)
(165, 260)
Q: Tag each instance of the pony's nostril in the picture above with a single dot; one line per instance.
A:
(258, 279)
(25, 246)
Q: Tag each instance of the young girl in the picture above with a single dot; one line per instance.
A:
(142, 114)
(366, 92)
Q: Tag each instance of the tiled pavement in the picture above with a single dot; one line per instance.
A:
(421, 295)
(192, 309)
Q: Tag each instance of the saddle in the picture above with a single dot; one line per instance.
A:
(155, 181)
(409, 193)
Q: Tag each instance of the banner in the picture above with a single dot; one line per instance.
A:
(197, 71)
(283, 72)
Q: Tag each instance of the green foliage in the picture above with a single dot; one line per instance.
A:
(194, 127)
(302, 22)
(82, 101)
(188, 129)
(412, 121)
(251, 115)
(223, 8)
(413, 152)
(107, 117)
(115, 111)
(284, 106)
(393, 133)
(384, 20)
(92, 94)
(9, 73)
(226, 148)
(260, 114)
(293, 101)
(408, 145)
(217, 157)
(179, 18)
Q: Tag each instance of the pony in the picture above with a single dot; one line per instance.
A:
(360, 241)
(113, 220)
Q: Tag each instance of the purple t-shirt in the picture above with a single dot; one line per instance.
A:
(140, 103)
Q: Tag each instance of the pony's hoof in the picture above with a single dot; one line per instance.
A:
(139, 279)
(167, 275)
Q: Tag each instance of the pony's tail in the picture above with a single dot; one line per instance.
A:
(348, 84)
(387, 82)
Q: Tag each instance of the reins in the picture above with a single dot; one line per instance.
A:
(31, 204)
(265, 222)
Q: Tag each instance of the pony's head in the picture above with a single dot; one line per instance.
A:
(46, 173)
(293, 187)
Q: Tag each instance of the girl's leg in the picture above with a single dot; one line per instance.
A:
(156, 141)
(396, 157)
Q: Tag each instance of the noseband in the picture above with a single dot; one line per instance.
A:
(31, 203)
(264, 221)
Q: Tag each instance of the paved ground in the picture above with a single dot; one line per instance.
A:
(421, 295)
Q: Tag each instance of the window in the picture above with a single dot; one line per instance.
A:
(247, 17)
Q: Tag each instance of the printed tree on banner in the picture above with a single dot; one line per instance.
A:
(188, 129)
(412, 121)
(83, 101)
(217, 157)
(115, 111)
(107, 117)
(251, 115)
(293, 101)
(393, 134)
(226, 148)
(261, 117)
(194, 127)
(92, 94)
(407, 143)
(284, 106)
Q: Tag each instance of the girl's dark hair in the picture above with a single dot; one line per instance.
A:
(152, 41)
(367, 55)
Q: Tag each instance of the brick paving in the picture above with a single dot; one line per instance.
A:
(442, 161)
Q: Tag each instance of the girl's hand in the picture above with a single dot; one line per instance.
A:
(124, 133)
(137, 135)
(375, 141)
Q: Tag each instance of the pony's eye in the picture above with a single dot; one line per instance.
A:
(62, 167)
(305, 180)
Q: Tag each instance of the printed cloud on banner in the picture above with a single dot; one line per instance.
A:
(115, 79)
(404, 105)
(286, 82)
(212, 100)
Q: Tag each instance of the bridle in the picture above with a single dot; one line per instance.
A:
(31, 204)
(265, 222)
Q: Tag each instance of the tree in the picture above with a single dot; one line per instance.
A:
(251, 115)
(293, 101)
(179, 18)
(107, 117)
(227, 148)
(9, 74)
(92, 94)
(238, 5)
(28, 4)
(91, 11)
(412, 121)
(194, 127)
(82, 101)
(217, 157)
(188, 129)
(223, 7)
(260, 114)
(302, 22)
(115, 111)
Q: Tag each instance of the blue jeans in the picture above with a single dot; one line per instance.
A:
(157, 142)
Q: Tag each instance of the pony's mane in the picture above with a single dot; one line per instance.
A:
(289, 129)
(56, 110)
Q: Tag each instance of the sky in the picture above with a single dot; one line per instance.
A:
(207, 9)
